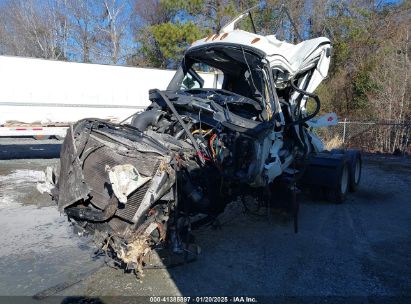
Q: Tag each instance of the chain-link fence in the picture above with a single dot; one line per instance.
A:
(384, 137)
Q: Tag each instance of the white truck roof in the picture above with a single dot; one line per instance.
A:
(292, 57)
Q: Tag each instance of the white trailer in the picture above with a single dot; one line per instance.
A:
(42, 97)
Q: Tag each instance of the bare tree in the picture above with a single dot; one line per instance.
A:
(113, 30)
(150, 12)
(30, 29)
(83, 27)
(392, 75)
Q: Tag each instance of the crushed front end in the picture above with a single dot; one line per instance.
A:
(110, 177)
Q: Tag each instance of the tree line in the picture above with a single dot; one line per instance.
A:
(369, 76)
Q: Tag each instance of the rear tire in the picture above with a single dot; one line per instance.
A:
(355, 174)
(338, 193)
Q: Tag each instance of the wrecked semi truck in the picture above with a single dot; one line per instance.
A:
(194, 150)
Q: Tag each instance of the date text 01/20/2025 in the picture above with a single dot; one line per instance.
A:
(176, 299)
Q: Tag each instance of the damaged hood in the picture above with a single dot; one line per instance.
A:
(292, 58)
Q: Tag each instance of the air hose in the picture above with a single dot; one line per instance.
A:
(180, 120)
(312, 115)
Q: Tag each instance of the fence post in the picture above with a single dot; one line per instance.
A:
(344, 130)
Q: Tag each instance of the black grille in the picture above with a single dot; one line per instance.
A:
(97, 179)
(133, 202)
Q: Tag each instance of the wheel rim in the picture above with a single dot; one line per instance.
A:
(344, 180)
(357, 171)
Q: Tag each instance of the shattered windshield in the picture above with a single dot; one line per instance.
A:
(225, 71)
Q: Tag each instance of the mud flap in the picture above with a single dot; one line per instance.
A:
(324, 171)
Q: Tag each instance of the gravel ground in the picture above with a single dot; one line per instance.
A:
(357, 249)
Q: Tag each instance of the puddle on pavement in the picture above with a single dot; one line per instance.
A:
(39, 248)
